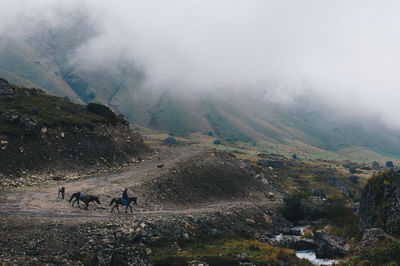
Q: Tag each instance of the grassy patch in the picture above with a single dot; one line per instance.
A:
(385, 253)
(50, 110)
(222, 250)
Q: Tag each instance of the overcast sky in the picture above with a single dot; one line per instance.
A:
(346, 51)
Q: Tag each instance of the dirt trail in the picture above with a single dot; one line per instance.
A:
(43, 202)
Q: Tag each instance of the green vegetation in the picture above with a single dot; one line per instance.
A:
(389, 164)
(102, 111)
(217, 142)
(221, 250)
(385, 253)
(381, 185)
(293, 208)
(334, 210)
(49, 110)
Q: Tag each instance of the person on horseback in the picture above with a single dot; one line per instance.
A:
(125, 198)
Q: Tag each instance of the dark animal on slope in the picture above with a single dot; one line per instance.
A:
(61, 190)
(85, 198)
(118, 201)
(160, 166)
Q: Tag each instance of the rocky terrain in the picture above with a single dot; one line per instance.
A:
(46, 137)
(188, 198)
(380, 203)
(58, 233)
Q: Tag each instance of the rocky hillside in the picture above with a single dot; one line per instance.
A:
(40, 133)
(380, 203)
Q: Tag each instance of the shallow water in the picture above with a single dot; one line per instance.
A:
(310, 256)
(306, 254)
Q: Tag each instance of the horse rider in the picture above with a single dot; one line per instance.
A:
(125, 198)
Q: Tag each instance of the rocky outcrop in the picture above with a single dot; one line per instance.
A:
(334, 181)
(330, 246)
(380, 203)
(12, 116)
(7, 91)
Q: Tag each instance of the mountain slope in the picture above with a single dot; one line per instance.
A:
(43, 60)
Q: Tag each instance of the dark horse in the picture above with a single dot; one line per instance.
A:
(85, 198)
(118, 201)
(61, 190)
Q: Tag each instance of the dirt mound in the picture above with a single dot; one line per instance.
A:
(206, 177)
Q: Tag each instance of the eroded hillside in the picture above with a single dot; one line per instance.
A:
(43, 134)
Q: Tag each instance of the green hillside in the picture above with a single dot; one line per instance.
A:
(42, 60)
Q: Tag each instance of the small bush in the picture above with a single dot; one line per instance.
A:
(217, 142)
(389, 164)
(103, 111)
(293, 208)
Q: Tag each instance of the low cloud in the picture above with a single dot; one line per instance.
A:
(346, 53)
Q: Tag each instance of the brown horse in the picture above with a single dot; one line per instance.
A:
(85, 198)
(118, 201)
(61, 190)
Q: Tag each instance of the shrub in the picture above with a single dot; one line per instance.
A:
(293, 208)
(217, 142)
(389, 164)
(103, 111)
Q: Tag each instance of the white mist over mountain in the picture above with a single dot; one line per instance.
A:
(340, 52)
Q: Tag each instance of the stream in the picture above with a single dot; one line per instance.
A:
(307, 254)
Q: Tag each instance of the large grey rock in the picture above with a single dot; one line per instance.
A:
(197, 263)
(7, 91)
(171, 140)
(330, 246)
(380, 203)
(296, 242)
(371, 237)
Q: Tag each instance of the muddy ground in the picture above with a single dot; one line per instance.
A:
(37, 227)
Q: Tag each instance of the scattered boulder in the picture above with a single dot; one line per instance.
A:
(8, 92)
(319, 193)
(330, 246)
(12, 116)
(271, 163)
(297, 243)
(371, 237)
(197, 263)
(171, 140)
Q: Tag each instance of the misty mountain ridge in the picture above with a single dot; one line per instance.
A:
(45, 59)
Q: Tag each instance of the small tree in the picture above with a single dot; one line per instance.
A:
(389, 164)
(217, 142)
(375, 165)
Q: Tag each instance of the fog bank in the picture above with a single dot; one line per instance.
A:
(346, 53)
